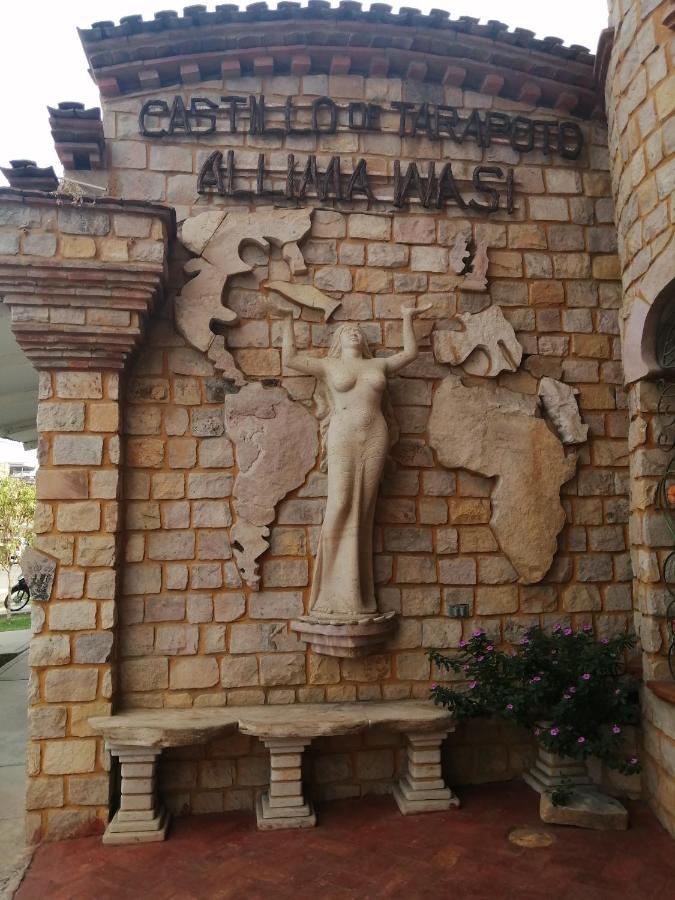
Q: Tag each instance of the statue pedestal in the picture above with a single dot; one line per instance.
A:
(332, 636)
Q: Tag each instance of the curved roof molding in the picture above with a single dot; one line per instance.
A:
(292, 39)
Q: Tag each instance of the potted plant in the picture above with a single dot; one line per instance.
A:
(566, 687)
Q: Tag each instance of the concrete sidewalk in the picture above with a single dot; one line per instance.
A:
(14, 854)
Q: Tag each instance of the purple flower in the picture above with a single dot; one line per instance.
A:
(537, 732)
(525, 640)
(581, 740)
(472, 684)
(478, 633)
(557, 627)
(586, 676)
(572, 690)
(434, 686)
(605, 641)
(588, 627)
(509, 706)
(616, 729)
(490, 647)
(567, 632)
(466, 667)
(480, 658)
(555, 732)
(633, 760)
(462, 643)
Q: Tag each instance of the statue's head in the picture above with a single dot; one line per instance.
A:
(349, 337)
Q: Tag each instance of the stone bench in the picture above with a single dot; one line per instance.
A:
(137, 738)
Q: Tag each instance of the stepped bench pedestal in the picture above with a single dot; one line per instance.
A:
(137, 738)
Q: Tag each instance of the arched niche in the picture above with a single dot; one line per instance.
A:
(649, 328)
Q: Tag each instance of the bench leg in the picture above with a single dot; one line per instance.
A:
(285, 806)
(141, 818)
(422, 788)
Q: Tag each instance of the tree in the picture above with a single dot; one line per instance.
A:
(17, 508)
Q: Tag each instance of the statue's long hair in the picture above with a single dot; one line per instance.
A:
(322, 402)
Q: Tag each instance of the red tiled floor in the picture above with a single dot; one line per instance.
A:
(366, 849)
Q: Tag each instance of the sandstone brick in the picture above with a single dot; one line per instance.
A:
(68, 757)
(165, 608)
(229, 606)
(93, 790)
(144, 674)
(73, 615)
(282, 668)
(428, 259)
(441, 634)
(171, 545)
(194, 673)
(144, 578)
(68, 684)
(208, 485)
(581, 598)
(492, 601)
(80, 450)
(96, 550)
(93, 648)
(239, 671)
(373, 228)
(415, 569)
(49, 650)
(53, 416)
(79, 516)
(408, 539)
(457, 571)
(145, 452)
(547, 293)
(47, 721)
(177, 640)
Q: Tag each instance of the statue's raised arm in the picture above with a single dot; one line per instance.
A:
(410, 349)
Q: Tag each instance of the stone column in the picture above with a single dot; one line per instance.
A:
(141, 817)
(640, 101)
(422, 788)
(79, 286)
(285, 806)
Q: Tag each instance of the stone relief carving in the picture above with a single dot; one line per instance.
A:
(357, 441)
(274, 437)
(217, 238)
(496, 433)
(38, 570)
(560, 403)
(276, 443)
(485, 344)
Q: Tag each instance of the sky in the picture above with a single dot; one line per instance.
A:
(13, 452)
(42, 62)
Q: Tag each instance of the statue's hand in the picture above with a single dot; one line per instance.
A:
(410, 312)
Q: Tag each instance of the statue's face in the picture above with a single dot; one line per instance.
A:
(351, 337)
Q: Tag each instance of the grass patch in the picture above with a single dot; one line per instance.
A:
(18, 622)
(5, 658)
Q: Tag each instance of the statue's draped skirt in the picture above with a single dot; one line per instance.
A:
(356, 449)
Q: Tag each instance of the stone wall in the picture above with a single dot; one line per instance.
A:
(78, 281)
(191, 633)
(640, 92)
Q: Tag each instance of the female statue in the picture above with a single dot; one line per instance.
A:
(352, 384)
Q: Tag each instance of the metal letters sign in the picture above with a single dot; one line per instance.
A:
(488, 189)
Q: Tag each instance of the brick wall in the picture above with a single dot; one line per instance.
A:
(640, 92)
(190, 632)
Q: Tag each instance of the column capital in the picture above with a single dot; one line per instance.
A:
(80, 278)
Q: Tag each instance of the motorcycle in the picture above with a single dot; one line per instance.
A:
(18, 596)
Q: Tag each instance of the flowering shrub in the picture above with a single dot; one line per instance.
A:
(565, 678)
